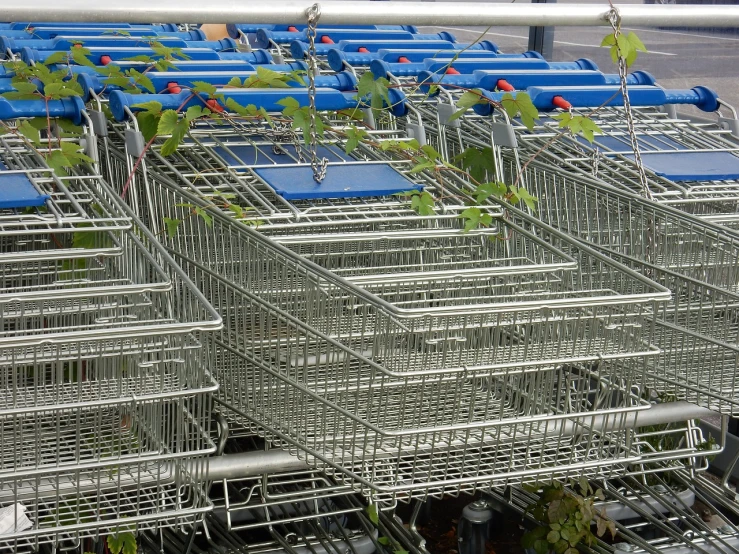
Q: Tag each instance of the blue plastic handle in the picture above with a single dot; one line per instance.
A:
(418, 56)
(47, 33)
(470, 65)
(188, 65)
(325, 99)
(164, 82)
(65, 43)
(380, 68)
(265, 37)
(591, 97)
(523, 79)
(347, 52)
(122, 54)
(69, 108)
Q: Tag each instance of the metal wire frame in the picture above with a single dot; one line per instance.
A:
(75, 204)
(88, 471)
(662, 521)
(219, 163)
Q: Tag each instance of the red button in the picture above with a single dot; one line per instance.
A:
(326, 40)
(505, 85)
(105, 60)
(451, 71)
(363, 50)
(403, 59)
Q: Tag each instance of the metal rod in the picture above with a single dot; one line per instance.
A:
(250, 464)
(366, 12)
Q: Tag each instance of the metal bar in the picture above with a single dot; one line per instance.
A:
(333, 12)
(250, 464)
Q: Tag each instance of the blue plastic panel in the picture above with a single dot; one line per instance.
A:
(693, 166)
(646, 143)
(250, 155)
(17, 191)
(342, 181)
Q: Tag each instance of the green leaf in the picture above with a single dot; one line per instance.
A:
(465, 102)
(167, 122)
(151, 107)
(291, 105)
(520, 105)
(24, 91)
(148, 124)
(56, 58)
(521, 194)
(172, 225)
(201, 87)
(374, 89)
(30, 132)
(374, 517)
(478, 162)
(271, 79)
(79, 56)
(383, 541)
(204, 215)
(58, 90)
(235, 82)
(57, 161)
(141, 80)
(486, 190)
(194, 112)
(422, 202)
(553, 536)
(353, 137)
(474, 218)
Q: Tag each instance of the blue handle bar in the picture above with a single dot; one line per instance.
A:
(122, 54)
(216, 65)
(168, 27)
(523, 79)
(70, 108)
(163, 81)
(591, 97)
(65, 43)
(265, 37)
(469, 65)
(47, 33)
(326, 99)
(418, 56)
(380, 68)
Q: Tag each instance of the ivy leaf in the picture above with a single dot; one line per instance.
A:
(148, 124)
(23, 91)
(271, 79)
(353, 138)
(422, 203)
(165, 65)
(636, 46)
(30, 132)
(57, 161)
(245, 111)
(201, 87)
(297, 76)
(375, 89)
(167, 122)
(474, 218)
(579, 124)
(79, 56)
(465, 102)
(383, 541)
(522, 195)
(374, 517)
(301, 120)
(73, 152)
(177, 134)
(235, 82)
(56, 58)
(172, 226)
(58, 90)
(478, 162)
(291, 105)
(151, 107)
(520, 105)
(485, 190)
(141, 80)
(194, 112)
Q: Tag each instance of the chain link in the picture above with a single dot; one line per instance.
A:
(614, 18)
(318, 167)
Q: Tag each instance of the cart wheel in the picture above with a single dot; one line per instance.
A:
(474, 527)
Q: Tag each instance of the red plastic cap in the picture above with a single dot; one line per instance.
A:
(173, 88)
(213, 105)
(363, 50)
(105, 60)
(292, 29)
(451, 71)
(326, 40)
(403, 59)
(561, 103)
(504, 85)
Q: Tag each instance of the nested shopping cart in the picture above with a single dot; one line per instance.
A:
(105, 382)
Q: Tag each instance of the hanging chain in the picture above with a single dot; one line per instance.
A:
(319, 167)
(614, 18)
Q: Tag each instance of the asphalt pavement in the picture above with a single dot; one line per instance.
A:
(677, 58)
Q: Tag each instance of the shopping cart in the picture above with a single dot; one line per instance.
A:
(105, 402)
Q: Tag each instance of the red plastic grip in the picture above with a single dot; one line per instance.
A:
(505, 86)
(105, 59)
(403, 59)
(173, 88)
(326, 40)
(561, 103)
(213, 105)
(363, 50)
(292, 29)
(451, 71)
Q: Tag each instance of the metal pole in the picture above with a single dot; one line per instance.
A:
(333, 12)
(250, 464)
(541, 39)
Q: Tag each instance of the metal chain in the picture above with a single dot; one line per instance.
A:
(319, 167)
(596, 161)
(614, 18)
